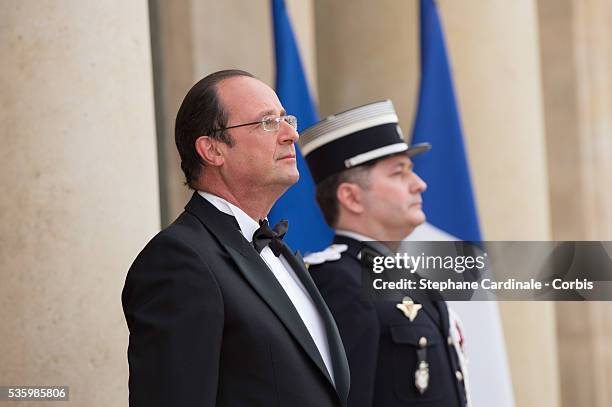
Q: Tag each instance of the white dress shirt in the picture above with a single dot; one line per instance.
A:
(285, 275)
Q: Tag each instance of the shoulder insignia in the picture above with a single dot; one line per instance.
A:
(332, 253)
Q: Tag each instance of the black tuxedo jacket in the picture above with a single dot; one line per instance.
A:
(381, 343)
(211, 326)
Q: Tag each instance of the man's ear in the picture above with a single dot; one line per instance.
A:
(350, 197)
(209, 151)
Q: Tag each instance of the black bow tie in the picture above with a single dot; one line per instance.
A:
(264, 236)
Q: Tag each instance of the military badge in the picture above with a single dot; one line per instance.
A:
(409, 308)
(421, 377)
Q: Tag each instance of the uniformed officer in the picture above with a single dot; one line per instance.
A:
(399, 354)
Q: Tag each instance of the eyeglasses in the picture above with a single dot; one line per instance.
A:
(269, 123)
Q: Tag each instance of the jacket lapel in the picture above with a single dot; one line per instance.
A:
(259, 276)
(336, 348)
(444, 320)
(265, 284)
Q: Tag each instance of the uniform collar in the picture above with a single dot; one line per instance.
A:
(365, 241)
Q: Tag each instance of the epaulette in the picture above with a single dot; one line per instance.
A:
(332, 253)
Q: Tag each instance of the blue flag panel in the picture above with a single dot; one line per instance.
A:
(448, 201)
(307, 229)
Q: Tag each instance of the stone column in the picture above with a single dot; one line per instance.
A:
(368, 51)
(576, 70)
(494, 51)
(172, 46)
(80, 190)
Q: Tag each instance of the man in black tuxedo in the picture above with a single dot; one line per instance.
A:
(220, 311)
(401, 353)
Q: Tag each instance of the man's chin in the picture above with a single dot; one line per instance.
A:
(417, 219)
(294, 177)
(288, 179)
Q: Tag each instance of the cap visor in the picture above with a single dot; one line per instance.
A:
(417, 149)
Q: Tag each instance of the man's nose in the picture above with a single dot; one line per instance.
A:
(287, 134)
(417, 185)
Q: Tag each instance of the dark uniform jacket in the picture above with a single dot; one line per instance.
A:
(382, 343)
(211, 326)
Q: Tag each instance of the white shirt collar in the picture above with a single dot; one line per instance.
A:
(247, 225)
